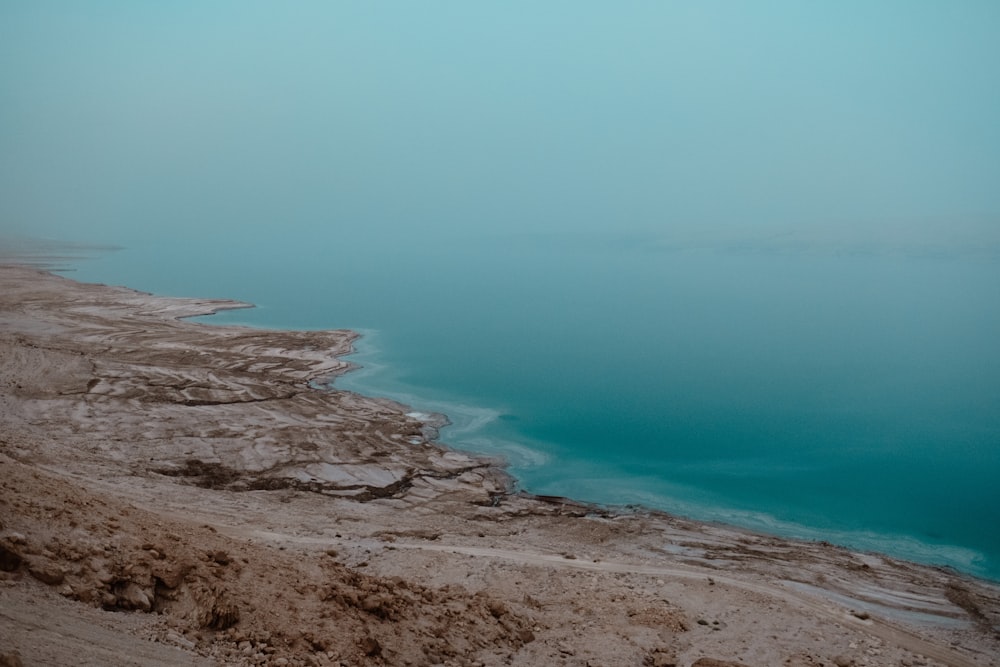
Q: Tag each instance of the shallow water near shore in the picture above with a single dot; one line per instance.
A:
(850, 398)
(739, 262)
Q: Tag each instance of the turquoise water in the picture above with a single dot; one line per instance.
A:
(740, 261)
(848, 397)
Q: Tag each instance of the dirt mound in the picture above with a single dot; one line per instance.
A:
(236, 601)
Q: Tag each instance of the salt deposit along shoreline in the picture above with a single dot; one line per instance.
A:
(468, 437)
(155, 464)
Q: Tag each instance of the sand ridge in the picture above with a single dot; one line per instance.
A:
(184, 493)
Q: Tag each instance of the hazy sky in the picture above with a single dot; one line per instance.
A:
(197, 118)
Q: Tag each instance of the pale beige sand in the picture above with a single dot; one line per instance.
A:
(152, 464)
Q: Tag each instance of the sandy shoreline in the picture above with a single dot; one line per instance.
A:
(193, 471)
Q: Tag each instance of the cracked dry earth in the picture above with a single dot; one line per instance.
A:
(177, 493)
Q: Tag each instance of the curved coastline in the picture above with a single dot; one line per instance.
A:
(117, 393)
(899, 546)
(201, 310)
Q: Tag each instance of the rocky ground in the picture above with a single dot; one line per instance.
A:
(179, 493)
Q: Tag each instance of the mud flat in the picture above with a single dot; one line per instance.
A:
(180, 493)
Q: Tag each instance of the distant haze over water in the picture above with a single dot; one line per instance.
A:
(740, 262)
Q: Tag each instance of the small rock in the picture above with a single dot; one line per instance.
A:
(171, 575)
(46, 572)
(133, 597)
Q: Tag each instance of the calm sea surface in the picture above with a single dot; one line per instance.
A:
(847, 396)
(740, 261)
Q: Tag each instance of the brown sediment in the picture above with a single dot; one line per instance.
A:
(192, 480)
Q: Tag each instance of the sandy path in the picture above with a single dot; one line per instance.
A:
(776, 590)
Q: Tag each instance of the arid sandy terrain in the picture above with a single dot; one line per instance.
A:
(175, 493)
